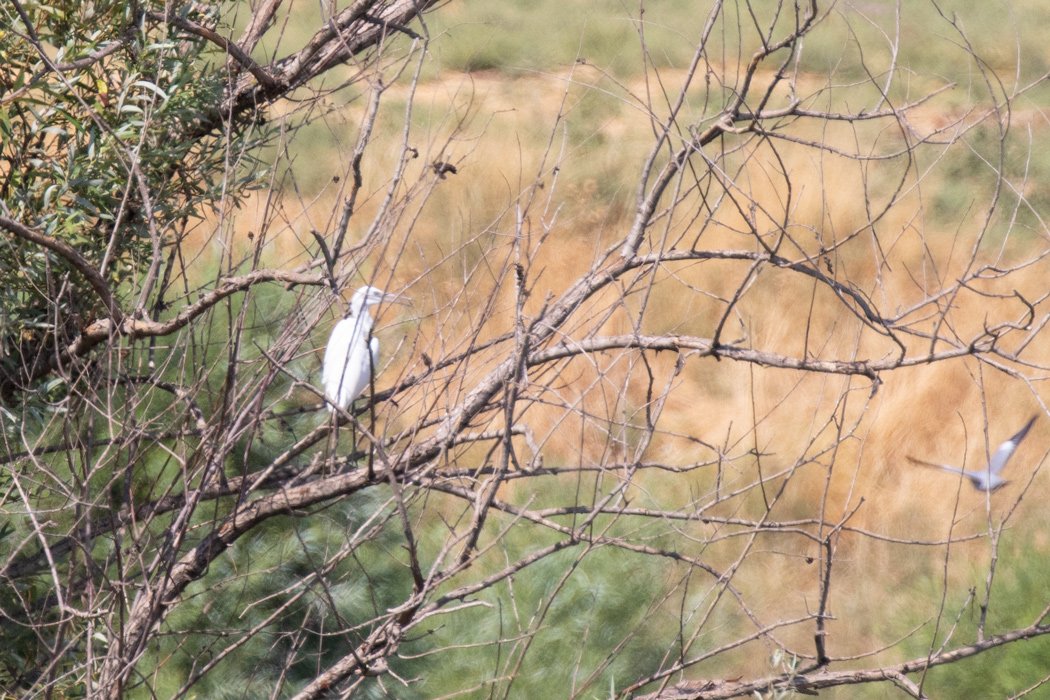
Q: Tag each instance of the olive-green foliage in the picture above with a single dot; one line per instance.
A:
(76, 149)
(72, 144)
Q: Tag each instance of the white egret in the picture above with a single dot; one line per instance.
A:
(987, 479)
(350, 357)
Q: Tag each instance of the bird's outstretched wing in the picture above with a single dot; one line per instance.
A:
(979, 480)
(1006, 450)
(934, 465)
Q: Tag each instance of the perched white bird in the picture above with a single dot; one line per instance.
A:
(987, 479)
(350, 358)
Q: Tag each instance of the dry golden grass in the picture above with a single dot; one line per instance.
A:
(457, 246)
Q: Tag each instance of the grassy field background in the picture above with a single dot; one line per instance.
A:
(509, 90)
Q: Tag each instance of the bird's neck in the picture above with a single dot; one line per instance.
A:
(361, 318)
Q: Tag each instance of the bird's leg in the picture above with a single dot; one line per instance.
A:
(353, 438)
(332, 444)
(371, 413)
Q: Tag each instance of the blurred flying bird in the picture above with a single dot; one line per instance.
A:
(987, 479)
(351, 356)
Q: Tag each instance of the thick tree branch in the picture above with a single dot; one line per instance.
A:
(79, 263)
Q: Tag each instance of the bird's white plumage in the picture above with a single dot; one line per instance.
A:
(350, 356)
(987, 479)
